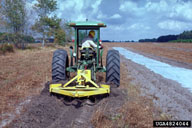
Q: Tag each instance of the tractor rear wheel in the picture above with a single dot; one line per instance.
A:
(113, 67)
(59, 65)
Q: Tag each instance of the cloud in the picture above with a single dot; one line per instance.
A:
(78, 9)
(101, 15)
(157, 7)
(174, 25)
(131, 8)
(95, 6)
(128, 6)
(173, 9)
(138, 26)
(66, 4)
(115, 16)
(183, 10)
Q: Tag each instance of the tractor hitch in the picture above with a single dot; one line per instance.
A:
(84, 86)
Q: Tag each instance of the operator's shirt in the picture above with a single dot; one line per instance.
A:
(88, 42)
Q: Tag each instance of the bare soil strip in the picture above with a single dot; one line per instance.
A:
(49, 111)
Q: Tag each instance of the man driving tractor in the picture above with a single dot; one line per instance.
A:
(88, 41)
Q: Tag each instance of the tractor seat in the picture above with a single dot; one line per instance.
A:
(88, 50)
(87, 53)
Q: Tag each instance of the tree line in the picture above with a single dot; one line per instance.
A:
(17, 24)
(186, 36)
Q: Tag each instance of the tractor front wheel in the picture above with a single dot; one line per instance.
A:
(59, 65)
(113, 67)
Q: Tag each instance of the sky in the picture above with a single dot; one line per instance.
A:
(131, 19)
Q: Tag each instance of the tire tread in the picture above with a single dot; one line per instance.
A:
(113, 67)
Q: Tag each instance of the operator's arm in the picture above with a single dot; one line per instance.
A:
(92, 44)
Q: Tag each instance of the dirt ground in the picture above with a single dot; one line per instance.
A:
(142, 97)
(178, 52)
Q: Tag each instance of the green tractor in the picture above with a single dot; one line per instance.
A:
(86, 62)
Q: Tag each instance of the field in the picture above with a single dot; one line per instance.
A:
(142, 97)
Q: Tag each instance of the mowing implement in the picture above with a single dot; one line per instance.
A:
(86, 62)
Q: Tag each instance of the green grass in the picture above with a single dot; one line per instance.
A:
(182, 41)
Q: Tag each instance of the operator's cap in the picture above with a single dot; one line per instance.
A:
(92, 33)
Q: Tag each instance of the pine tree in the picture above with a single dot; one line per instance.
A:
(44, 9)
(14, 15)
